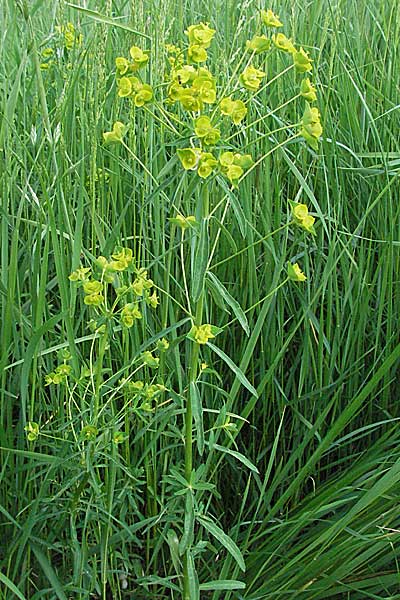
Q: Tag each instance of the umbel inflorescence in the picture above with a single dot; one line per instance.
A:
(204, 106)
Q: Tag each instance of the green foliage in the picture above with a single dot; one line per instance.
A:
(284, 394)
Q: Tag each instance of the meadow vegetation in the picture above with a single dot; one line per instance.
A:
(199, 295)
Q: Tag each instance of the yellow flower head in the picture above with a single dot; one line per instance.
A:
(123, 257)
(202, 333)
(190, 100)
(258, 44)
(283, 43)
(311, 128)
(150, 360)
(186, 74)
(236, 109)
(206, 165)
(233, 165)
(206, 132)
(307, 90)
(189, 158)
(302, 62)
(32, 431)
(80, 274)
(117, 133)
(143, 95)
(197, 54)
(302, 217)
(140, 58)
(270, 19)
(129, 314)
(122, 65)
(251, 78)
(200, 34)
(295, 273)
(184, 222)
(204, 86)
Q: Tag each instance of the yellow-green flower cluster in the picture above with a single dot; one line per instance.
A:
(202, 333)
(32, 431)
(116, 135)
(204, 130)
(47, 58)
(233, 165)
(302, 217)
(200, 37)
(251, 78)
(194, 159)
(258, 44)
(184, 222)
(59, 375)
(70, 37)
(294, 272)
(270, 19)
(311, 128)
(126, 295)
(130, 313)
(192, 87)
(235, 109)
(130, 86)
(93, 290)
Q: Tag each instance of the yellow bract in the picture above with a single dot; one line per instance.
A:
(295, 273)
(307, 90)
(311, 128)
(236, 109)
(129, 314)
(251, 78)
(197, 54)
(202, 333)
(258, 44)
(200, 34)
(301, 60)
(302, 217)
(208, 134)
(116, 134)
(140, 58)
(270, 19)
(283, 43)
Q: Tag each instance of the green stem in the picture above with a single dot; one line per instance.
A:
(194, 360)
(99, 375)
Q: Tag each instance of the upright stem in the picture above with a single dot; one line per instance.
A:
(194, 359)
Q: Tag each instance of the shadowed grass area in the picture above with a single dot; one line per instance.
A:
(304, 476)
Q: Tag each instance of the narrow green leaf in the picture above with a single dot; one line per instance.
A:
(222, 584)
(188, 524)
(235, 306)
(200, 261)
(238, 456)
(96, 16)
(49, 572)
(197, 411)
(30, 352)
(239, 374)
(173, 543)
(194, 587)
(225, 540)
(4, 579)
(237, 209)
(45, 458)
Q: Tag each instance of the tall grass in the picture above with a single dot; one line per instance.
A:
(319, 516)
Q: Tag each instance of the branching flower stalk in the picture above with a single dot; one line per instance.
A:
(202, 119)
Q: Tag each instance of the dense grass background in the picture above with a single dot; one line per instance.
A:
(321, 519)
